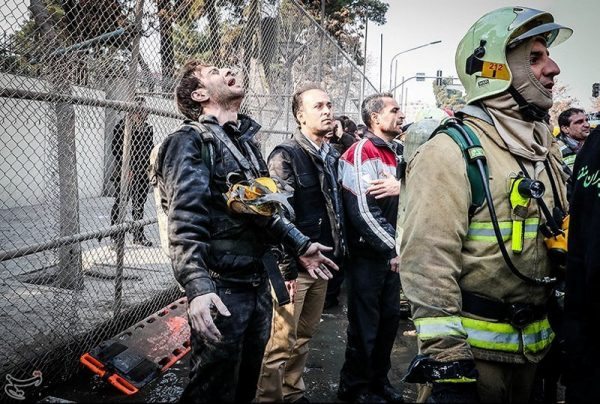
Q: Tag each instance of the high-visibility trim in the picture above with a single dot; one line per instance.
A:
(435, 327)
(569, 160)
(531, 227)
(482, 334)
(518, 236)
(492, 336)
(484, 231)
(537, 336)
(458, 380)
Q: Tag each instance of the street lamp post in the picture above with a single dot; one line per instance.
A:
(408, 50)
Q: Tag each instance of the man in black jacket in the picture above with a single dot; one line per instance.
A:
(582, 303)
(308, 164)
(218, 255)
(142, 142)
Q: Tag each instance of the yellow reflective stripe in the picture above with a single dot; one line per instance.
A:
(538, 336)
(569, 160)
(492, 336)
(484, 231)
(458, 380)
(518, 234)
(531, 227)
(435, 327)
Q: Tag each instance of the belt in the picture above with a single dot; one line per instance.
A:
(517, 314)
(249, 280)
(237, 247)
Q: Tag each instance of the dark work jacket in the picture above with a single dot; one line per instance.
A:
(582, 294)
(317, 199)
(142, 143)
(207, 241)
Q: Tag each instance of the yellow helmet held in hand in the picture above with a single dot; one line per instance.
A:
(260, 196)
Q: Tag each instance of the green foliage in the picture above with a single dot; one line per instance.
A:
(345, 19)
(73, 21)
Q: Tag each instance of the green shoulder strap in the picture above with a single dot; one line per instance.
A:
(471, 154)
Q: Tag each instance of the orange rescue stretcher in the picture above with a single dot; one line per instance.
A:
(139, 354)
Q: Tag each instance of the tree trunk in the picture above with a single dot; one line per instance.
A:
(210, 9)
(250, 35)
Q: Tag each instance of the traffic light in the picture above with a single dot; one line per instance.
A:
(438, 79)
(595, 90)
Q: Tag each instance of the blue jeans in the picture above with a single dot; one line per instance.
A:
(227, 370)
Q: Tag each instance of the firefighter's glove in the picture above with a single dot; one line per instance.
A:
(423, 369)
(452, 381)
(454, 393)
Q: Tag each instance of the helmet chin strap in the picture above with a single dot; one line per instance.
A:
(529, 111)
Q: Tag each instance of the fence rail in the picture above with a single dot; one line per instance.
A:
(85, 91)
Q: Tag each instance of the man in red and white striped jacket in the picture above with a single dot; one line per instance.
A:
(370, 192)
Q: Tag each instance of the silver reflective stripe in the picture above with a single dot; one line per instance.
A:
(531, 227)
(537, 336)
(493, 340)
(484, 231)
(435, 327)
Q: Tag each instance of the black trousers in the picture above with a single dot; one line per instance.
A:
(373, 318)
(228, 370)
(138, 191)
(334, 285)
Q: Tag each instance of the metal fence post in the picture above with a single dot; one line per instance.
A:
(127, 140)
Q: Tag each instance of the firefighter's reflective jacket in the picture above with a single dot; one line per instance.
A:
(449, 258)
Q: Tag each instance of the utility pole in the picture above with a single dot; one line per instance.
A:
(395, 76)
(380, 60)
(406, 51)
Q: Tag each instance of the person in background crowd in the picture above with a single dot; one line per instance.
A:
(574, 130)
(347, 127)
(370, 191)
(361, 130)
(342, 135)
(308, 164)
(142, 142)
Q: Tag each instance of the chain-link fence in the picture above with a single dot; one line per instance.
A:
(85, 91)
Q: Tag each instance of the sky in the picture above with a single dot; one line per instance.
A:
(413, 23)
